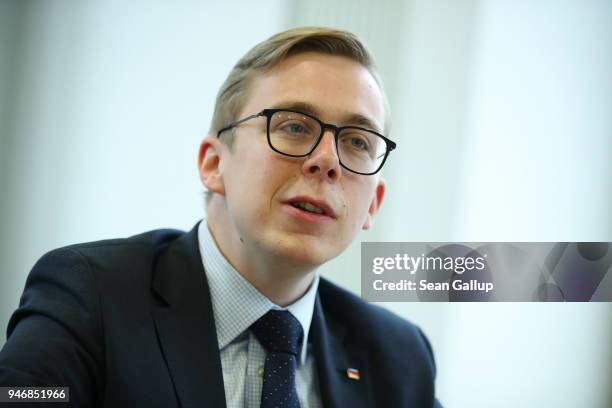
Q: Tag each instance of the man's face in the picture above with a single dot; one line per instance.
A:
(262, 187)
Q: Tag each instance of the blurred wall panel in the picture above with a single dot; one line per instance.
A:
(539, 157)
(536, 167)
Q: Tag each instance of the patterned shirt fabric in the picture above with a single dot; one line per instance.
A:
(236, 306)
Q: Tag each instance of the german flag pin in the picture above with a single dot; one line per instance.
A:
(353, 374)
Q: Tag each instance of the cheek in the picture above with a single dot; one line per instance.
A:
(360, 198)
(257, 176)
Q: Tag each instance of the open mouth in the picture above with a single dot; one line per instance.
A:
(311, 208)
(302, 205)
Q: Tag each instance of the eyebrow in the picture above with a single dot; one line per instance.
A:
(353, 119)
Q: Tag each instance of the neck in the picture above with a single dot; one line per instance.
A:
(280, 280)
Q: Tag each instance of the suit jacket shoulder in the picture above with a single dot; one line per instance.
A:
(83, 310)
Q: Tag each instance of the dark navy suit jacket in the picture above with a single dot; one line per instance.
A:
(129, 323)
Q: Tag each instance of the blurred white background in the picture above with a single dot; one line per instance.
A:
(502, 111)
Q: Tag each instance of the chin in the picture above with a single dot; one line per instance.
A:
(301, 252)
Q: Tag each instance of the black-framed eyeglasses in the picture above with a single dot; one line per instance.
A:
(297, 134)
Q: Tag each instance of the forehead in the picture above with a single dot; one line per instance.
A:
(336, 88)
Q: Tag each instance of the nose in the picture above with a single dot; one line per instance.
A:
(323, 162)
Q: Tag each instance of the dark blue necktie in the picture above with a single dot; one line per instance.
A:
(281, 335)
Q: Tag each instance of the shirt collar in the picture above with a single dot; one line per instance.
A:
(236, 303)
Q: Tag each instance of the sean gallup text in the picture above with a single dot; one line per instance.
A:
(424, 285)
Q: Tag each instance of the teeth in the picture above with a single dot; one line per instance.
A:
(308, 207)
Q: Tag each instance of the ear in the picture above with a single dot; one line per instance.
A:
(379, 194)
(209, 160)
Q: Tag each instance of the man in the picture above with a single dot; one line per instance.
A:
(233, 313)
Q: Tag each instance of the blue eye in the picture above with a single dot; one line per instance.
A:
(355, 142)
(358, 143)
(294, 128)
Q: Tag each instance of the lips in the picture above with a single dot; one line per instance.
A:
(313, 206)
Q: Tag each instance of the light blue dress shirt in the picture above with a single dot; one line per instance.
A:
(236, 305)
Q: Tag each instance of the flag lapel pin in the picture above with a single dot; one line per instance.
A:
(353, 374)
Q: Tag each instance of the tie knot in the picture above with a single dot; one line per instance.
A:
(278, 331)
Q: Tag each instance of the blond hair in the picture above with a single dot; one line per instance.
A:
(269, 53)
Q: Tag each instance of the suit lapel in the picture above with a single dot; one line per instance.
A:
(185, 325)
(334, 354)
